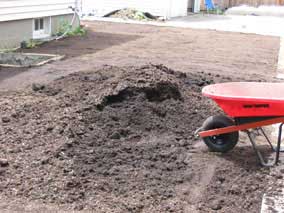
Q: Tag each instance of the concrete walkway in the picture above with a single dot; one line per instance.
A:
(262, 25)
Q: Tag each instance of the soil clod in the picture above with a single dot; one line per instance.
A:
(4, 162)
(6, 119)
(37, 87)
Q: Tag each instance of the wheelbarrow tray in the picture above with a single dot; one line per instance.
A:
(248, 99)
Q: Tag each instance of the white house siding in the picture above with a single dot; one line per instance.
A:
(25, 9)
(164, 8)
(17, 19)
(12, 33)
(178, 8)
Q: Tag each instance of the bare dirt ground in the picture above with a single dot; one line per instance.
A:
(120, 138)
(180, 49)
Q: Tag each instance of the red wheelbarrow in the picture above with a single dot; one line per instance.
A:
(249, 106)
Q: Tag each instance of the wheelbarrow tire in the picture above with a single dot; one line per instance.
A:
(220, 143)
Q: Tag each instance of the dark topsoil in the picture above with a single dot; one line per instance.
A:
(121, 140)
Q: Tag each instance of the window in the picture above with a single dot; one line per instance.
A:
(41, 27)
(39, 24)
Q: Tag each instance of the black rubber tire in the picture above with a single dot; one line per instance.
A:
(220, 143)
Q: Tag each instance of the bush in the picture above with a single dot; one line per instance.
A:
(66, 27)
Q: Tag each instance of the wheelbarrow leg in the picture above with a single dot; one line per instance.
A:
(259, 154)
(267, 139)
(278, 150)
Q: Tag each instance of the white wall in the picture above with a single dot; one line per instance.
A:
(165, 8)
(178, 8)
(24, 9)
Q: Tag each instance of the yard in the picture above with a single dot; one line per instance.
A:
(110, 127)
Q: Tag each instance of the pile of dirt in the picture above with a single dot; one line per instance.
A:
(114, 140)
(133, 14)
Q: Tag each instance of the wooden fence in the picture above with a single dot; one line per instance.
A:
(224, 4)
(255, 3)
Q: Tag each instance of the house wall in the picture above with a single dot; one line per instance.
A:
(16, 18)
(165, 8)
(178, 8)
(57, 21)
(12, 33)
(26, 9)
